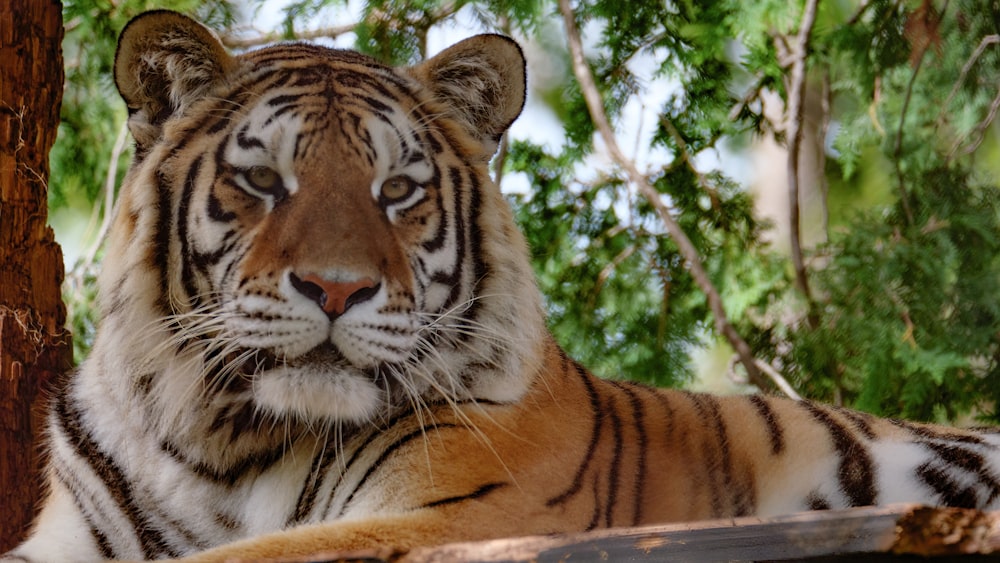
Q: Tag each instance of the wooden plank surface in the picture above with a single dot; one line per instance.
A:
(900, 531)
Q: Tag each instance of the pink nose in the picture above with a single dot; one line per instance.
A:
(335, 298)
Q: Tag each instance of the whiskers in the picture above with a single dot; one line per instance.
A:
(209, 382)
(456, 328)
(194, 355)
(453, 352)
(419, 119)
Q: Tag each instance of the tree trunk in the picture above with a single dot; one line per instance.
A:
(34, 346)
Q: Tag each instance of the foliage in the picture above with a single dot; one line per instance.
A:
(91, 120)
(901, 318)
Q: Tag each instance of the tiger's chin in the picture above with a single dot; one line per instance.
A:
(320, 387)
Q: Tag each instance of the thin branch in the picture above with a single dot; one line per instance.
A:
(421, 24)
(779, 380)
(685, 155)
(860, 12)
(595, 107)
(796, 112)
(752, 94)
(606, 272)
(234, 42)
(109, 195)
(897, 150)
(986, 42)
(501, 158)
(826, 104)
(979, 133)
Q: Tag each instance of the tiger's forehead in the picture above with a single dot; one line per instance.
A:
(327, 93)
(282, 129)
(313, 106)
(340, 71)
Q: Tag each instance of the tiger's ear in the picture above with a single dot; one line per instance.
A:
(164, 62)
(481, 82)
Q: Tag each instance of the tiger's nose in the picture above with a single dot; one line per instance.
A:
(335, 297)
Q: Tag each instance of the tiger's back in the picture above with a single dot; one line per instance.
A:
(580, 453)
(321, 332)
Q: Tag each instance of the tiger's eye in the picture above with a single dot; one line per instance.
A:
(263, 178)
(397, 187)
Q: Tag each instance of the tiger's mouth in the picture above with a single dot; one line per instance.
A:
(323, 356)
(321, 386)
(257, 361)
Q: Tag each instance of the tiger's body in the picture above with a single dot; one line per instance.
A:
(321, 332)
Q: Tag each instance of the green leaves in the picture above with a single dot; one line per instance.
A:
(903, 318)
(910, 313)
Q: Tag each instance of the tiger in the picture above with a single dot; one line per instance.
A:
(321, 332)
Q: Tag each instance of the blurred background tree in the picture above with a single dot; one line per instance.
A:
(833, 168)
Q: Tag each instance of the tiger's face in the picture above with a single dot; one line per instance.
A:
(341, 219)
(319, 230)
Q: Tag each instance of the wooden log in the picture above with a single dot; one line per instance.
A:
(834, 535)
(34, 346)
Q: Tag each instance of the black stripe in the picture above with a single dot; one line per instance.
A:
(970, 461)
(303, 77)
(227, 106)
(454, 279)
(937, 433)
(378, 107)
(639, 421)
(478, 493)
(595, 493)
(187, 275)
(741, 501)
(282, 100)
(855, 470)
(614, 473)
(330, 457)
(227, 521)
(366, 441)
(595, 436)
(387, 453)
(161, 241)
(296, 111)
(255, 463)
(68, 479)
(860, 420)
(215, 210)
(222, 122)
(429, 140)
(307, 496)
(441, 234)
(205, 260)
(952, 494)
(307, 140)
(242, 415)
(188, 536)
(105, 468)
(816, 501)
(480, 269)
(774, 430)
(379, 85)
(244, 141)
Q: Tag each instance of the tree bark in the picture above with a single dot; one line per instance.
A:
(34, 346)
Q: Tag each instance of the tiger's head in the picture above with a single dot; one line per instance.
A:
(317, 229)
